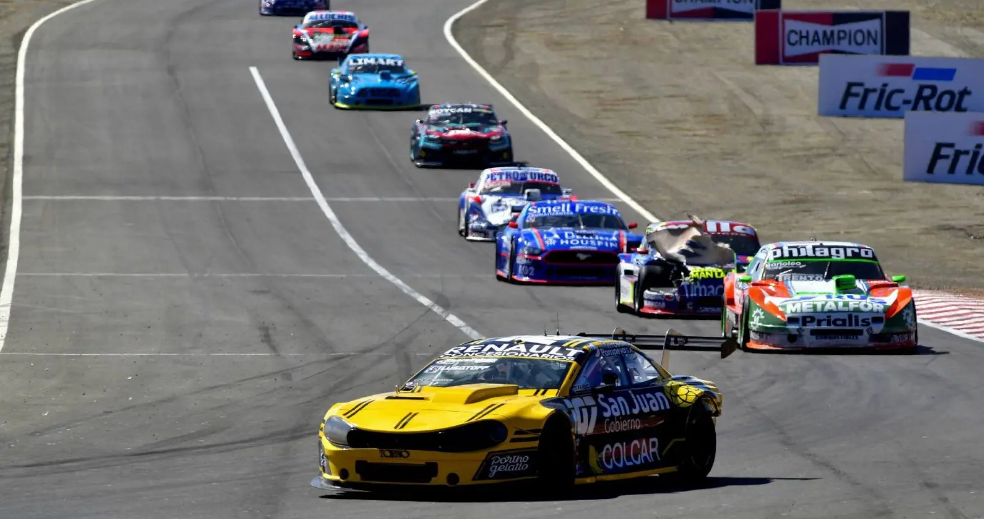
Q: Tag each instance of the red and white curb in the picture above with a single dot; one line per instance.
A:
(960, 315)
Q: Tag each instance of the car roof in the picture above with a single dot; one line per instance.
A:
(376, 56)
(445, 106)
(547, 203)
(318, 15)
(711, 226)
(572, 348)
(804, 243)
(521, 169)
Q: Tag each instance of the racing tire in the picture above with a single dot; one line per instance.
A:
(746, 333)
(414, 154)
(462, 229)
(727, 327)
(497, 276)
(699, 449)
(649, 276)
(556, 458)
(619, 307)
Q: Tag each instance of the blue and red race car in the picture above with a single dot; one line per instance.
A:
(329, 35)
(563, 242)
(292, 7)
(680, 267)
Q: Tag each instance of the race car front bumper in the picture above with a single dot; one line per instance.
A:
(481, 153)
(671, 302)
(393, 467)
(828, 338)
(548, 268)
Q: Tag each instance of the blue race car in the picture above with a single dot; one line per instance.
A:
(680, 269)
(374, 82)
(462, 134)
(500, 193)
(292, 7)
(563, 242)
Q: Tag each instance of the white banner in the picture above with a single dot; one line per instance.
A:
(944, 148)
(890, 86)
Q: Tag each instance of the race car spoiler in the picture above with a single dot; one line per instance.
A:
(672, 340)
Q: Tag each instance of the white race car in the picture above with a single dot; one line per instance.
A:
(500, 194)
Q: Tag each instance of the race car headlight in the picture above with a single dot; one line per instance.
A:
(495, 138)
(531, 251)
(337, 431)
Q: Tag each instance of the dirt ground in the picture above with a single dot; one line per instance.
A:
(679, 116)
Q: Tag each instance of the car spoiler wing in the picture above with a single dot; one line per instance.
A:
(671, 340)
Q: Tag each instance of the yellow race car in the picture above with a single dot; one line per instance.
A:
(562, 410)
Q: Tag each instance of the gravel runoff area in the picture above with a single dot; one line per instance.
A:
(679, 116)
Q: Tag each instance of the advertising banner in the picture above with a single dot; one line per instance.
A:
(707, 10)
(890, 86)
(801, 37)
(944, 147)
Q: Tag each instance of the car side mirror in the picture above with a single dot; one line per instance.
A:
(471, 185)
(745, 279)
(503, 122)
(418, 121)
(633, 225)
(899, 279)
(513, 225)
(844, 282)
(336, 72)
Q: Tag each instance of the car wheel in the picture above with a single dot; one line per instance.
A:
(649, 277)
(746, 334)
(462, 230)
(555, 466)
(727, 329)
(699, 449)
(619, 307)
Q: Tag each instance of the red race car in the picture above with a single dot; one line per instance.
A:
(330, 35)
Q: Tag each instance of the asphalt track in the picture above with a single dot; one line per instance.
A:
(173, 357)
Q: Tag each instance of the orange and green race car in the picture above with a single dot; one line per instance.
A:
(555, 409)
(818, 295)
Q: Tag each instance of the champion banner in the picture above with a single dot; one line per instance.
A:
(800, 37)
(707, 10)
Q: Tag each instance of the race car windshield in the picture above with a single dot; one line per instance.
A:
(577, 221)
(472, 118)
(375, 68)
(742, 245)
(328, 24)
(793, 270)
(517, 188)
(524, 372)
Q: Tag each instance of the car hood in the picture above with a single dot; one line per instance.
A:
(432, 408)
(822, 297)
(465, 132)
(566, 238)
(384, 80)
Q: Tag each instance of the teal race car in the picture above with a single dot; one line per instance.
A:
(374, 82)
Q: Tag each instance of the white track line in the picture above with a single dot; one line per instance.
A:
(337, 224)
(233, 198)
(171, 275)
(17, 180)
(156, 354)
(535, 120)
(110, 198)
